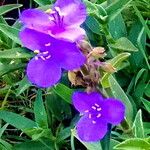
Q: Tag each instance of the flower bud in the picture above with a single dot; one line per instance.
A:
(84, 46)
(108, 67)
(97, 52)
(75, 78)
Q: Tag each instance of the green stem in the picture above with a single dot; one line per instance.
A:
(72, 142)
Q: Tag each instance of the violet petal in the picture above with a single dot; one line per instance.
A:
(83, 101)
(89, 131)
(69, 34)
(43, 73)
(36, 19)
(114, 111)
(74, 10)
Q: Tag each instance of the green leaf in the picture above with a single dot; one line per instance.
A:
(138, 76)
(116, 7)
(63, 134)
(118, 93)
(3, 129)
(133, 144)
(23, 85)
(59, 108)
(38, 133)
(6, 145)
(64, 92)
(146, 104)
(35, 145)
(43, 2)
(6, 8)
(123, 44)
(117, 27)
(139, 42)
(93, 25)
(11, 32)
(16, 53)
(136, 59)
(138, 125)
(3, 148)
(113, 143)
(6, 68)
(17, 121)
(147, 128)
(147, 91)
(88, 145)
(142, 20)
(39, 111)
(91, 7)
(116, 63)
(3, 38)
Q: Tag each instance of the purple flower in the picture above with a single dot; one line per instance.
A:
(62, 22)
(97, 113)
(45, 68)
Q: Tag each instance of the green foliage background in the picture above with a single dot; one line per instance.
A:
(44, 119)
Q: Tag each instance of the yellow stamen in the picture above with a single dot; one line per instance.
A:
(36, 51)
(48, 11)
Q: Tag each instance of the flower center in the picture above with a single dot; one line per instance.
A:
(57, 16)
(94, 113)
(43, 55)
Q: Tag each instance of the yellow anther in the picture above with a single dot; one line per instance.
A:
(36, 51)
(48, 11)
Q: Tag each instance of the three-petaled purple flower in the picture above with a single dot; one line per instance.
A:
(52, 36)
(62, 21)
(97, 113)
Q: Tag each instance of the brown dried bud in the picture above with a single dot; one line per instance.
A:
(97, 52)
(108, 67)
(85, 47)
(76, 78)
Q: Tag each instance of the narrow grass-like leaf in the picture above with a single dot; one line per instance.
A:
(4, 69)
(16, 53)
(35, 145)
(3, 129)
(16, 120)
(118, 93)
(43, 2)
(6, 145)
(10, 32)
(59, 108)
(64, 92)
(138, 125)
(23, 85)
(6, 8)
(39, 111)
